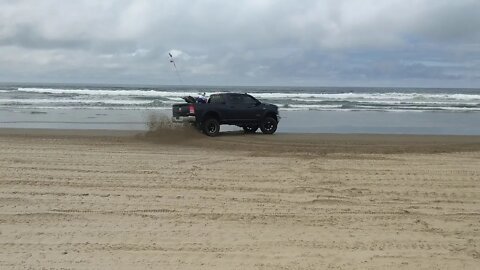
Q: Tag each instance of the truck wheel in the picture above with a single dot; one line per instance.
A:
(211, 127)
(250, 128)
(268, 125)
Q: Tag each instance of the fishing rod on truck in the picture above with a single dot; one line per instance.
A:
(172, 60)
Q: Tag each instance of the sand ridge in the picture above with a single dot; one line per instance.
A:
(105, 201)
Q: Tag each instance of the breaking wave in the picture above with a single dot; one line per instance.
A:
(297, 99)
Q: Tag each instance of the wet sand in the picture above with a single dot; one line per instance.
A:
(176, 199)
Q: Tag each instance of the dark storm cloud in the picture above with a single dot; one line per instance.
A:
(431, 42)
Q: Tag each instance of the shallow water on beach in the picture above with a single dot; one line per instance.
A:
(369, 122)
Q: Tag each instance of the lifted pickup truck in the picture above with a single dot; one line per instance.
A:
(241, 110)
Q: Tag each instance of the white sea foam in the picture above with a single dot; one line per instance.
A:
(101, 92)
(367, 96)
(62, 101)
(85, 103)
(273, 95)
(149, 98)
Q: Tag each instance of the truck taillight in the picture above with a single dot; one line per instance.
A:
(191, 109)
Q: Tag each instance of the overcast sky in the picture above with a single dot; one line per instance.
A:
(424, 43)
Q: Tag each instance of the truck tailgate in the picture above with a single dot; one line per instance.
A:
(184, 109)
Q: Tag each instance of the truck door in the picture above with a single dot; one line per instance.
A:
(243, 107)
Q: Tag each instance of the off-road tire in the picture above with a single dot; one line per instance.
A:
(250, 128)
(268, 125)
(211, 127)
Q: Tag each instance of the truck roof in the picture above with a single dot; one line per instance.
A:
(229, 93)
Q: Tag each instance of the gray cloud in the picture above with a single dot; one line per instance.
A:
(310, 42)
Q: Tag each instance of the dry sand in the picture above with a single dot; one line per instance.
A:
(111, 200)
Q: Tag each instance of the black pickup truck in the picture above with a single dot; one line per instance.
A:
(241, 110)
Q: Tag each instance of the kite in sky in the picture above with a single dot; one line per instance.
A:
(172, 61)
(175, 66)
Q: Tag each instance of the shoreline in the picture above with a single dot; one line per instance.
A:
(300, 143)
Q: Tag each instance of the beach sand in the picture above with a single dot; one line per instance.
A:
(179, 200)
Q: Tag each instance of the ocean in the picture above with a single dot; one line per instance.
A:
(303, 109)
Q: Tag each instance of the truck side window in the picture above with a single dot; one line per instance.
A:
(216, 99)
(248, 100)
(235, 99)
